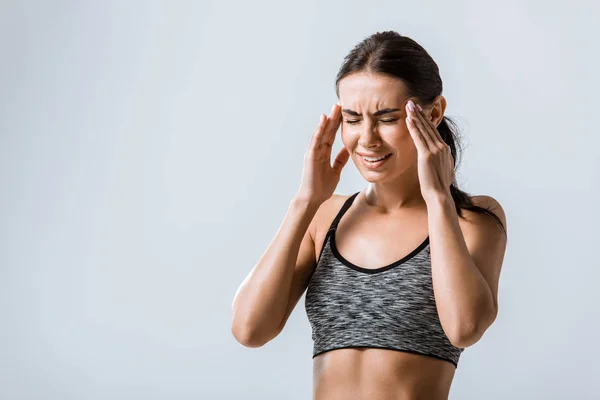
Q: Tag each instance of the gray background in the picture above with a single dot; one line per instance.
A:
(149, 151)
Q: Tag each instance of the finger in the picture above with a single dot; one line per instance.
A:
(416, 136)
(417, 131)
(420, 124)
(316, 137)
(429, 123)
(327, 137)
(333, 124)
(340, 160)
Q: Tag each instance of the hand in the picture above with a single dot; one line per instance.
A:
(319, 177)
(435, 161)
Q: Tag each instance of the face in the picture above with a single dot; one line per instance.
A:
(374, 122)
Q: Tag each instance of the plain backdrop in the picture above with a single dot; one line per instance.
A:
(149, 151)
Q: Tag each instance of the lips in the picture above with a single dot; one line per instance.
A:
(372, 155)
(374, 165)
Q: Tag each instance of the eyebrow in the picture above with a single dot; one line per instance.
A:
(376, 114)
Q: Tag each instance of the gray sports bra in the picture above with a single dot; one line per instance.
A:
(392, 307)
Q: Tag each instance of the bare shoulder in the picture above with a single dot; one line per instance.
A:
(326, 213)
(491, 204)
(482, 230)
(335, 202)
(331, 205)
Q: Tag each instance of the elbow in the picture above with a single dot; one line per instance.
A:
(249, 337)
(467, 334)
(243, 332)
(245, 336)
(248, 333)
(465, 338)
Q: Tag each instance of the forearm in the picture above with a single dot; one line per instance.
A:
(262, 298)
(463, 297)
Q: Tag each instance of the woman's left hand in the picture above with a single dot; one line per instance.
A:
(435, 161)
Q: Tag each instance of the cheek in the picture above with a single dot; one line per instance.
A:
(397, 135)
(348, 140)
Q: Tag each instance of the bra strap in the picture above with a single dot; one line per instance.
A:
(342, 211)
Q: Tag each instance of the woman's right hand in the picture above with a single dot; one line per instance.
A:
(319, 177)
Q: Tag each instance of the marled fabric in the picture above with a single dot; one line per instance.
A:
(391, 307)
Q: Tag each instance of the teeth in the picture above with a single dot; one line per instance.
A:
(373, 159)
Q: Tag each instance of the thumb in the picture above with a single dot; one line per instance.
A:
(340, 160)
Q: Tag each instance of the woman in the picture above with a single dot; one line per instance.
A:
(400, 277)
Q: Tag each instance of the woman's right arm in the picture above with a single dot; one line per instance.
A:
(262, 303)
(267, 296)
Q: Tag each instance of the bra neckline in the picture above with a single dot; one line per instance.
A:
(358, 268)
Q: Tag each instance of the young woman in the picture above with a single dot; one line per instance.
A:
(401, 276)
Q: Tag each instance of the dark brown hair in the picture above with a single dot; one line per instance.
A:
(392, 54)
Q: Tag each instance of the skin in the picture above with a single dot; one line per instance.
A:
(386, 221)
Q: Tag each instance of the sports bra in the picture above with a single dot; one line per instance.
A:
(392, 307)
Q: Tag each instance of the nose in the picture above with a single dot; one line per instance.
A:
(369, 137)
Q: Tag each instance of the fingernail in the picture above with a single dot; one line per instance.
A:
(419, 107)
(411, 105)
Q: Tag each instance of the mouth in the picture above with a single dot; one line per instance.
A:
(374, 162)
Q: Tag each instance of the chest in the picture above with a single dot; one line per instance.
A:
(374, 242)
(397, 297)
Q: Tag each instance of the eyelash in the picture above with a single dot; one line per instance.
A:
(353, 122)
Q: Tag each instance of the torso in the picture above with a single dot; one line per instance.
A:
(371, 241)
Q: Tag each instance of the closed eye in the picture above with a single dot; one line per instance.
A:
(355, 121)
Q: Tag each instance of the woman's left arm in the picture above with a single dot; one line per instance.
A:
(465, 266)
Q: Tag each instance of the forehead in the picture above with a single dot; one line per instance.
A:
(367, 89)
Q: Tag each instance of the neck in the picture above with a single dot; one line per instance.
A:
(399, 194)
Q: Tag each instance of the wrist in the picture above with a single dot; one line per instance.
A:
(440, 200)
(305, 202)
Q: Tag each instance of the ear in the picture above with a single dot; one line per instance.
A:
(438, 107)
